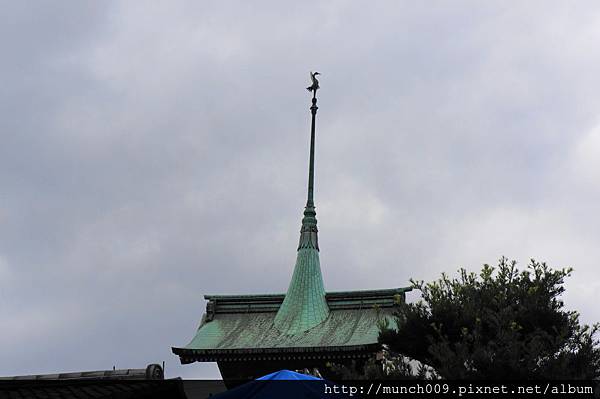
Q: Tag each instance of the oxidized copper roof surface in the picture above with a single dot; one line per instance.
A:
(245, 322)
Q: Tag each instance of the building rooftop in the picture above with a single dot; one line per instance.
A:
(306, 320)
(244, 324)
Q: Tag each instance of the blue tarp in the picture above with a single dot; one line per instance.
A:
(287, 375)
(282, 384)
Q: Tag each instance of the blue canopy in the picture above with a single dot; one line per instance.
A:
(287, 375)
(282, 384)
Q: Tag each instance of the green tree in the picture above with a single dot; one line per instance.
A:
(500, 324)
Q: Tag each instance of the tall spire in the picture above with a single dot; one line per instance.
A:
(305, 305)
(308, 233)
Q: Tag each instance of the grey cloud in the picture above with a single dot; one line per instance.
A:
(154, 153)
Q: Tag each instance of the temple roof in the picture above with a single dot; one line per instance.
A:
(305, 319)
(244, 324)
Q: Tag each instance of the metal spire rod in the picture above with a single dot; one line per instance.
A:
(311, 168)
(308, 232)
(305, 304)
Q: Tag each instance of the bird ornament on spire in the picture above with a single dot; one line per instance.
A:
(315, 83)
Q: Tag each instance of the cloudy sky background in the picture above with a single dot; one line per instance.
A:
(154, 152)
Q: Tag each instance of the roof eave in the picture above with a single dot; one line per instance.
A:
(242, 354)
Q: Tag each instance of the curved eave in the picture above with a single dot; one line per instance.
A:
(326, 352)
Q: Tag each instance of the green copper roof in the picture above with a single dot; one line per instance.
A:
(256, 330)
(244, 323)
(304, 305)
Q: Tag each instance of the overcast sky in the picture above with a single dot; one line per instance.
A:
(155, 152)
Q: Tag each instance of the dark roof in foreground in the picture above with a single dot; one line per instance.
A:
(93, 389)
(151, 372)
(146, 383)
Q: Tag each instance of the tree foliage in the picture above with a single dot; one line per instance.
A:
(499, 324)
